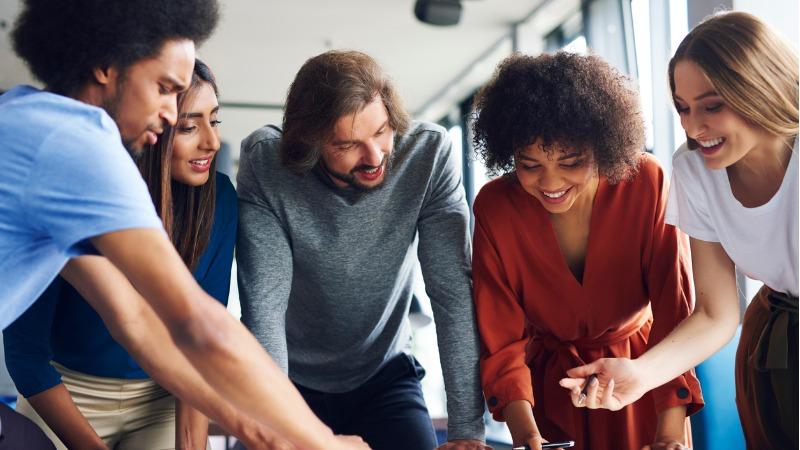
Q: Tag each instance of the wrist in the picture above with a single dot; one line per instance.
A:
(322, 441)
(520, 421)
(672, 424)
(99, 445)
(643, 370)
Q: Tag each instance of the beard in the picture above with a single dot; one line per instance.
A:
(111, 106)
(350, 177)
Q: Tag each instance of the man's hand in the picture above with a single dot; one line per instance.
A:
(268, 441)
(620, 382)
(350, 443)
(464, 444)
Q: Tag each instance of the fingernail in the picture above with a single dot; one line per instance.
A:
(581, 399)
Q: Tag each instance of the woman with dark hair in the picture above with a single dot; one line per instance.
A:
(572, 259)
(75, 381)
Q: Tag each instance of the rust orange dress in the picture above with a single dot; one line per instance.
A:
(537, 321)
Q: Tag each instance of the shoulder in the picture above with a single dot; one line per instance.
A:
(262, 143)
(494, 196)
(423, 136)
(225, 187)
(650, 172)
(425, 147)
(687, 160)
(52, 113)
(422, 129)
(647, 185)
(225, 201)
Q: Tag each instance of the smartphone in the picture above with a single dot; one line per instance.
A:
(563, 444)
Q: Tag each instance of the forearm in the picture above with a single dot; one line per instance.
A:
(144, 335)
(459, 354)
(59, 412)
(693, 341)
(711, 325)
(220, 348)
(191, 427)
(520, 421)
(671, 424)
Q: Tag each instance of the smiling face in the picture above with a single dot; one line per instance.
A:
(196, 140)
(358, 153)
(558, 178)
(142, 100)
(724, 136)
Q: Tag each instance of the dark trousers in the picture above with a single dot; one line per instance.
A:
(388, 411)
(18, 432)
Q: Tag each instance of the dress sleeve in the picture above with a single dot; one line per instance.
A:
(667, 268)
(27, 344)
(505, 376)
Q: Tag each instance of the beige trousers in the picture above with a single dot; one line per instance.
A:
(126, 414)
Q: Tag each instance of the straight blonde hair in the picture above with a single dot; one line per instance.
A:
(751, 67)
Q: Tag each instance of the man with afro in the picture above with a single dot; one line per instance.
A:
(71, 192)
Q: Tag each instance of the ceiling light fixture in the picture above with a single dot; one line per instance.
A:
(438, 12)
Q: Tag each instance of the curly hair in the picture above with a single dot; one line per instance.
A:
(565, 99)
(62, 41)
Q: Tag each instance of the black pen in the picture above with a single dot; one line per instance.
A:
(563, 444)
(584, 391)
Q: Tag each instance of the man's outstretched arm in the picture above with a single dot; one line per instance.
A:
(219, 347)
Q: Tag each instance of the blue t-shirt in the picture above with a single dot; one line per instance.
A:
(62, 327)
(65, 178)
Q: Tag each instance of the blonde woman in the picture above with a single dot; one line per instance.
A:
(735, 193)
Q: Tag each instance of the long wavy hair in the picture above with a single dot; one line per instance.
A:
(750, 66)
(187, 212)
(327, 87)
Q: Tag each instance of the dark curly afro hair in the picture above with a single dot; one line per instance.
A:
(62, 41)
(568, 100)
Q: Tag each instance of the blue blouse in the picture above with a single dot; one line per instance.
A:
(62, 327)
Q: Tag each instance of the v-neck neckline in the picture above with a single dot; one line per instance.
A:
(553, 239)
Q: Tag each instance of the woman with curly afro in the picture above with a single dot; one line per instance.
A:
(572, 259)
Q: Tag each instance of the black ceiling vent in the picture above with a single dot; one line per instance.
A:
(438, 12)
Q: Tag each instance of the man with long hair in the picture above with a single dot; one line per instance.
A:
(330, 208)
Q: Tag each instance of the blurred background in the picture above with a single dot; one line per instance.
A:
(438, 58)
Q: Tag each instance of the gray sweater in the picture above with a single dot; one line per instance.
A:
(326, 274)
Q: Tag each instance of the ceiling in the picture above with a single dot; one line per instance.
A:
(259, 45)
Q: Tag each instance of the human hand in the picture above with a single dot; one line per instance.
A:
(666, 444)
(342, 442)
(619, 382)
(268, 441)
(464, 444)
(533, 442)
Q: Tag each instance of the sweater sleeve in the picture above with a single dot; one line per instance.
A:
(444, 255)
(264, 258)
(667, 267)
(501, 321)
(27, 344)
